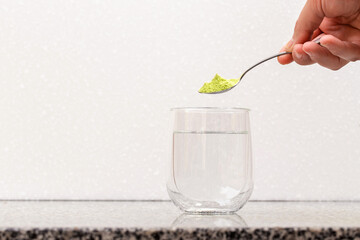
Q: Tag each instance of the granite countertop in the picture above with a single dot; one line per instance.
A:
(162, 220)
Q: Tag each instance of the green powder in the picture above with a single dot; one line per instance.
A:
(217, 84)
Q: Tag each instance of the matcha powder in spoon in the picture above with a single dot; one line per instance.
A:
(218, 84)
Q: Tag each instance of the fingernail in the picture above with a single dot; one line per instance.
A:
(317, 40)
(298, 55)
(308, 53)
(325, 44)
(289, 46)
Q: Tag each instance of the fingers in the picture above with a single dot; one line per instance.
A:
(285, 59)
(323, 56)
(306, 28)
(309, 20)
(345, 50)
(310, 52)
(300, 56)
(316, 33)
(341, 31)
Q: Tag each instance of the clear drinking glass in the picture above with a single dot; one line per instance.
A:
(211, 167)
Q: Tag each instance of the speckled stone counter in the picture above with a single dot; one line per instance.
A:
(162, 220)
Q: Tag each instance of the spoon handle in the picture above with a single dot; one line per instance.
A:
(266, 59)
(316, 40)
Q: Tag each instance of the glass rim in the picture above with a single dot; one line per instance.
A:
(206, 109)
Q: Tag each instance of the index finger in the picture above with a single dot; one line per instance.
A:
(309, 20)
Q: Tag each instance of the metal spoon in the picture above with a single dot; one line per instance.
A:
(316, 40)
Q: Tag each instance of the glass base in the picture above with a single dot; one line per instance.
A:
(187, 220)
(209, 207)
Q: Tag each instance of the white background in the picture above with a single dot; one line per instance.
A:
(86, 88)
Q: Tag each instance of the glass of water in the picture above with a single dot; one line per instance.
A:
(211, 167)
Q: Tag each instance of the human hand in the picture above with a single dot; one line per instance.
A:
(338, 23)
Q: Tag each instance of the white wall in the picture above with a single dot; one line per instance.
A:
(85, 89)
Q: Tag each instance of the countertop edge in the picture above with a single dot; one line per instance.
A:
(184, 233)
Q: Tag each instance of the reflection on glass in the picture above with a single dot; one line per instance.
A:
(187, 220)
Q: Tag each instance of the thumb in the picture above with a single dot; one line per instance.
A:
(309, 20)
